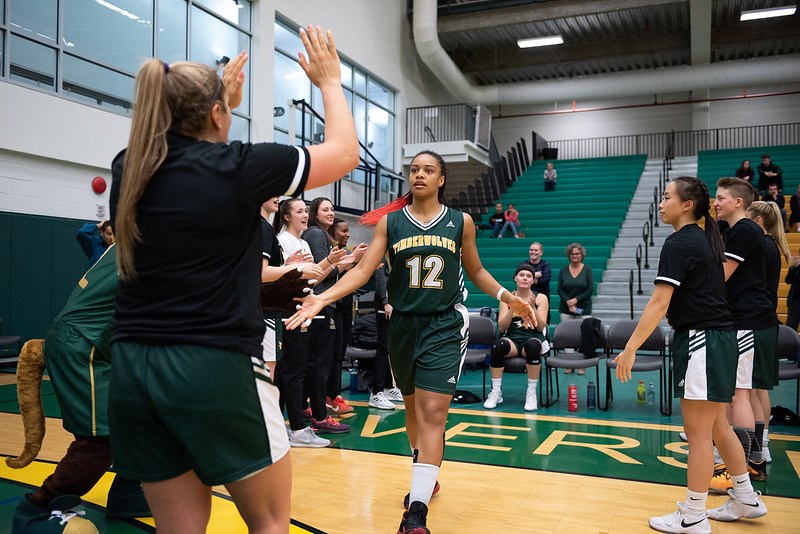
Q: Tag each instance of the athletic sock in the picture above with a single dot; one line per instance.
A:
(423, 479)
(695, 509)
(758, 442)
(743, 488)
(745, 436)
(497, 384)
(533, 383)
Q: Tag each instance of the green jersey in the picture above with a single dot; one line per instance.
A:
(425, 262)
(90, 307)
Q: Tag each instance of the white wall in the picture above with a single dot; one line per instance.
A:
(641, 115)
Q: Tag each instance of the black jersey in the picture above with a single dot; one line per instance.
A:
(425, 262)
(688, 264)
(773, 276)
(199, 259)
(748, 297)
(270, 247)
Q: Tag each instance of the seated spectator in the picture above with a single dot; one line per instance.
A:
(517, 340)
(550, 176)
(773, 195)
(495, 221)
(94, 239)
(794, 204)
(769, 173)
(746, 172)
(512, 222)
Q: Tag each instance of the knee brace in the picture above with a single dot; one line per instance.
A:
(532, 349)
(497, 356)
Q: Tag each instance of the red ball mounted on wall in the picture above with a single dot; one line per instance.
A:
(99, 185)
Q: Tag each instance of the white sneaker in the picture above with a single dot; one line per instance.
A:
(676, 522)
(531, 401)
(683, 437)
(307, 438)
(765, 454)
(393, 394)
(734, 509)
(495, 397)
(379, 400)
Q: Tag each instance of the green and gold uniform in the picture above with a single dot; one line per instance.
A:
(77, 349)
(428, 328)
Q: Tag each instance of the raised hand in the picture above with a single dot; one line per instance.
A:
(233, 79)
(322, 65)
(521, 308)
(312, 305)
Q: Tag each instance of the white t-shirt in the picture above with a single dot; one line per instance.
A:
(291, 244)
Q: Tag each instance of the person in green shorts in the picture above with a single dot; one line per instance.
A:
(427, 243)
(690, 290)
(77, 354)
(516, 339)
(191, 402)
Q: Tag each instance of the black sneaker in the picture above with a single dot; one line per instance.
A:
(436, 489)
(126, 499)
(757, 470)
(414, 520)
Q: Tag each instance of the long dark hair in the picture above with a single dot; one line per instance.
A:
(694, 189)
(314, 208)
(284, 208)
(371, 218)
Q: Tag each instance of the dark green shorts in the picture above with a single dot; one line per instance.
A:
(176, 408)
(80, 376)
(427, 351)
(705, 365)
(758, 358)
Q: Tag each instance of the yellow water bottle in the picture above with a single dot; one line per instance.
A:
(641, 393)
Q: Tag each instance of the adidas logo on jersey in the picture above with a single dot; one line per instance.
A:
(450, 224)
(451, 380)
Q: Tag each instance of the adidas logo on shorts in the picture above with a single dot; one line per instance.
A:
(681, 383)
(451, 380)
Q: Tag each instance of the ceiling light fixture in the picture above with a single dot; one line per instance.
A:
(768, 13)
(540, 41)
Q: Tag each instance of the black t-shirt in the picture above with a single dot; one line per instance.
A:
(270, 246)
(199, 261)
(688, 264)
(748, 297)
(773, 275)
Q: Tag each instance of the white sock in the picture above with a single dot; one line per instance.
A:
(497, 384)
(695, 505)
(766, 436)
(423, 479)
(533, 383)
(743, 488)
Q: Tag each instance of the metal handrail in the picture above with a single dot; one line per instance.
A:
(630, 291)
(647, 230)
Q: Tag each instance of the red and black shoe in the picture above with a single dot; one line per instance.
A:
(414, 520)
(436, 489)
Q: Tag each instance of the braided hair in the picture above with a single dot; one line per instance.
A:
(694, 189)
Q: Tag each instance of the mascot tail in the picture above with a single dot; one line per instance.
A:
(30, 369)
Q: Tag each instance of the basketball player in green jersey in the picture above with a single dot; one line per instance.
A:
(427, 244)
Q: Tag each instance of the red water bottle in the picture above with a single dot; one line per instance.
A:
(573, 398)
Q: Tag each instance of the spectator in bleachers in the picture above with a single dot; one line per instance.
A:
(776, 196)
(496, 221)
(769, 173)
(793, 298)
(746, 172)
(575, 286)
(550, 176)
(512, 222)
(516, 339)
(794, 204)
(541, 269)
